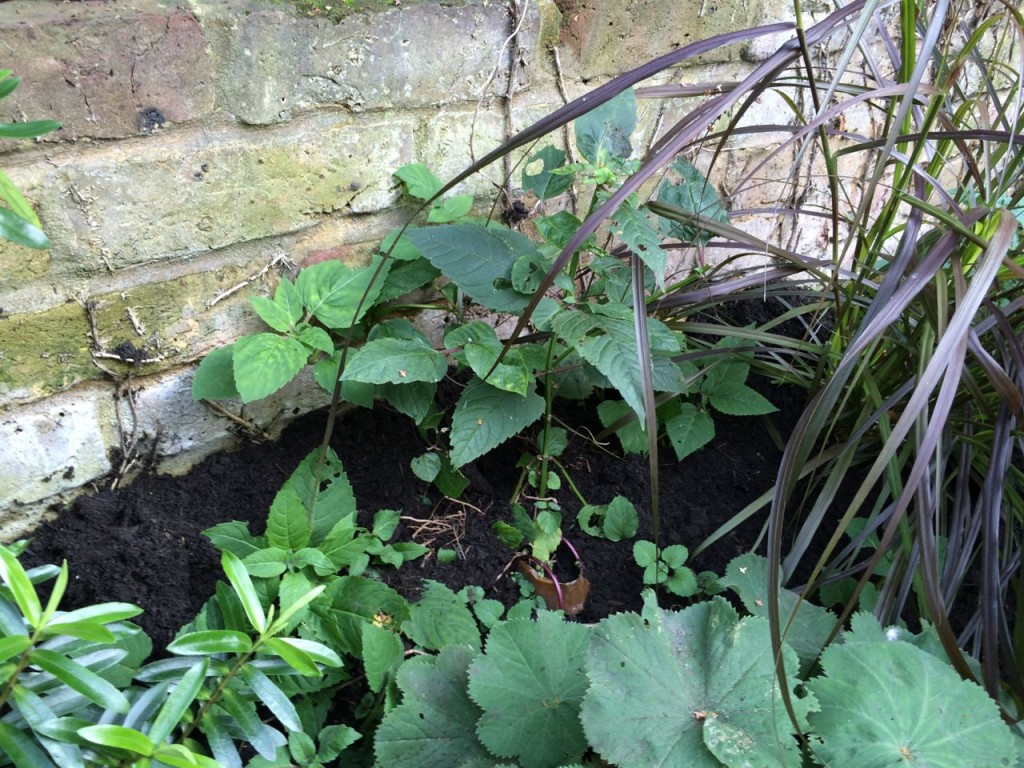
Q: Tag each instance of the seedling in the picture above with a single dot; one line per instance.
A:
(664, 569)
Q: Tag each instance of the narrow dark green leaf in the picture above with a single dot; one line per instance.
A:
(21, 587)
(80, 679)
(28, 130)
(119, 737)
(242, 584)
(273, 697)
(209, 641)
(172, 713)
(22, 750)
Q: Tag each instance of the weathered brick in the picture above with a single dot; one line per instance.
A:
(273, 64)
(182, 193)
(98, 69)
(613, 36)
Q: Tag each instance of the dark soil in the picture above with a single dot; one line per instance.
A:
(142, 544)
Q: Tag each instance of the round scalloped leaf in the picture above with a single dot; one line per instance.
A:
(434, 726)
(888, 704)
(695, 687)
(530, 684)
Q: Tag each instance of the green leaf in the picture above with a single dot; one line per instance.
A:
(287, 526)
(119, 737)
(406, 276)
(210, 641)
(385, 521)
(172, 713)
(22, 591)
(383, 653)
(355, 600)
(608, 342)
(631, 436)
(689, 430)
(439, 619)
(265, 362)
(620, 519)
(334, 739)
(28, 130)
(435, 725)
(541, 180)
(316, 338)
(692, 193)
(274, 315)
(681, 688)
(266, 563)
(296, 658)
(558, 228)
(214, 379)
(477, 259)
(315, 559)
(531, 707)
(420, 182)
(481, 348)
(486, 416)
(891, 704)
(234, 537)
(80, 679)
(426, 466)
(272, 697)
(339, 295)
(243, 717)
(100, 613)
(740, 400)
(451, 209)
(395, 361)
(21, 750)
(806, 632)
(635, 229)
(17, 203)
(604, 131)
(13, 646)
(237, 574)
(335, 500)
(21, 232)
(645, 553)
(413, 399)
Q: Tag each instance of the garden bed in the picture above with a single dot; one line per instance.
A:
(142, 544)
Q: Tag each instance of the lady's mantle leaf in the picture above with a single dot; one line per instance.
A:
(530, 684)
(486, 416)
(889, 703)
(695, 688)
(434, 726)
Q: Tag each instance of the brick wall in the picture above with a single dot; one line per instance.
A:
(208, 146)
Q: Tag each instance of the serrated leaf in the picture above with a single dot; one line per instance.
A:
(631, 436)
(234, 537)
(605, 131)
(334, 739)
(486, 416)
(891, 704)
(689, 430)
(608, 342)
(439, 619)
(740, 400)
(657, 681)
(287, 526)
(530, 684)
(274, 315)
(214, 379)
(413, 399)
(693, 194)
(328, 483)
(406, 276)
(434, 726)
(478, 259)
(635, 229)
(355, 600)
(385, 521)
(450, 209)
(538, 176)
(806, 632)
(339, 295)
(420, 182)
(383, 653)
(316, 338)
(265, 362)
(395, 361)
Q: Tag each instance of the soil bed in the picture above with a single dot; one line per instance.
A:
(142, 544)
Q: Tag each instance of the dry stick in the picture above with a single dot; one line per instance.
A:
(570, 153)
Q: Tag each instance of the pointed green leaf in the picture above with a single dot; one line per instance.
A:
(420, 182)
(335, 499)
(620, 519)
(287, 526)
(234, 537)
(689, 430)
(339, 295)
(265, 362)
(530, 684)
(272, 697)
(173, 711)
(478, 259)
(692, 193)
(395, 361)
(80, 679)
(272, 313)
(891, 704)
(435, 725)
(118, 737)
(296, 658)
(101, 613)
(658, 681)
(13, 646)
(634, 228)
(334, 739)
(450, 209)
(237, 574)
(214, 379)
(315, 338)
(486, 416)
(741, 400)
(293, 606)
(209, 641)
(243, 716)
(22, 591)
(29, 129)
(22, 750)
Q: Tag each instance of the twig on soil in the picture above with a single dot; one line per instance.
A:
(249, 427)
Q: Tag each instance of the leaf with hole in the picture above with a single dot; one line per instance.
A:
(486, 416)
